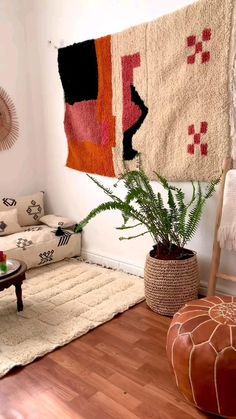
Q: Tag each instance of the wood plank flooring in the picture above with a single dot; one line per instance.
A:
(118, 370)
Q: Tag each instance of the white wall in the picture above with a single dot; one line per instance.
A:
(70, 192)
(18, 165)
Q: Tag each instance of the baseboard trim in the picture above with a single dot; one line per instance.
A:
(136, 270)
(113, 263)
(219, 290)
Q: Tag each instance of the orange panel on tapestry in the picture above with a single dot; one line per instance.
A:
(104, 102)
(85, 71)
(87, 156)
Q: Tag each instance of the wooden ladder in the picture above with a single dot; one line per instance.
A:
(216, 250)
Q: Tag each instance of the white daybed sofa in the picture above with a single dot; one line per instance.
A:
(26, 234)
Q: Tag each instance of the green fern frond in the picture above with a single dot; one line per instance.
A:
(173, 223)
(106, 206)
(173, 211)
(128, 227)
(106, 190)
(193, 194)
(133, 237)
(194, 215)
(162, 181)
(211, 188)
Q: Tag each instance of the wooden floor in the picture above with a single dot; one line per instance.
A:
(118, 370)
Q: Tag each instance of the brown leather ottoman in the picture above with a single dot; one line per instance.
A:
(201, 348)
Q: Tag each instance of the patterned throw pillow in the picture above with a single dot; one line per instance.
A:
(30, 208)
(55, 221)
(9, 222)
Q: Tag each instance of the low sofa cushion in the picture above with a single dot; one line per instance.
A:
(38, 245)
(55, 221)
(30, 208)
(9, 222)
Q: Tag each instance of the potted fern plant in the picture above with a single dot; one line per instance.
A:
(171, 275)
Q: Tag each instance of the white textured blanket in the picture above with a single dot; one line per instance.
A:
(227, 229)
(62, 301)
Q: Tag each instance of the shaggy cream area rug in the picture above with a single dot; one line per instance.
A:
(62, 301)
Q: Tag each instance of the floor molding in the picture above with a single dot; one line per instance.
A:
(219, 290)
(113, 263)
(136, 270)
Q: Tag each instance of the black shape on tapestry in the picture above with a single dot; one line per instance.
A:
(23, 243)
(9, 202)
(3, 226)
(46, 257)
(129, 152)
(79, 71)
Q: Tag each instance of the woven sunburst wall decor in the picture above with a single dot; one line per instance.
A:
(9, 129)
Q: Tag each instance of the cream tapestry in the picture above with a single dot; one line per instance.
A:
(161, 90)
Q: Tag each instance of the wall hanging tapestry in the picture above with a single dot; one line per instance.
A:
(161, 89)
(8, 122)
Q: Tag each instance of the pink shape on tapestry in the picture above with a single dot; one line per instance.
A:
(131, 112)
(197, 139)
(199, 46)
(81, 123)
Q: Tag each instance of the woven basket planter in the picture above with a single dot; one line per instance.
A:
(169, 284)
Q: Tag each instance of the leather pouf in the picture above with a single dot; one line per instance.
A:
(201, 348)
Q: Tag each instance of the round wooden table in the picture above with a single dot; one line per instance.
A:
(16, 279)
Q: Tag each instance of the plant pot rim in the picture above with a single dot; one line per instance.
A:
(172, 261)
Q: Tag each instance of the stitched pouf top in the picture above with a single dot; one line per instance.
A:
(201, 348)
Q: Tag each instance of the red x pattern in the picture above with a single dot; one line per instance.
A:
(197, 139)
(198, 45)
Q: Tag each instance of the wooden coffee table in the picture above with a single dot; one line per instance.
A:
(15, 278)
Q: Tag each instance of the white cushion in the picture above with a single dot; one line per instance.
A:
(30, 208)
(9, 222)
(55, 221)
(40, 245)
